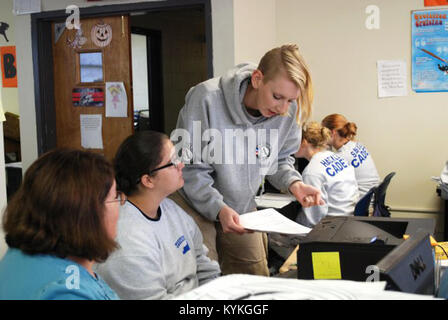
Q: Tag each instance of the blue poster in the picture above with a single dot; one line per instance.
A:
(430, 50)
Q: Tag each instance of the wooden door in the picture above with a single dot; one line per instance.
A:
(116, 67)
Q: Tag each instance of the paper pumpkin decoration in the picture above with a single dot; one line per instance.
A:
(101, 34)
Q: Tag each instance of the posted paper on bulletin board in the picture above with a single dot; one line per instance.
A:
(429, 50)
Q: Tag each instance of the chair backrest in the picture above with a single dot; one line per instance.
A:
(362, 207)
(379, 207)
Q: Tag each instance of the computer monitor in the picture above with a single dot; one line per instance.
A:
(410, 266)
(355, 244)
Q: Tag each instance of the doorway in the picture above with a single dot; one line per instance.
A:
(173, 65)
(176, 49)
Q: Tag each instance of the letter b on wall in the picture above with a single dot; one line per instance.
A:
(8, 66)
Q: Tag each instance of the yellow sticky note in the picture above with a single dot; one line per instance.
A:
(326, 265)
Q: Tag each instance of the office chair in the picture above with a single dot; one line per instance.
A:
(363, 205)
(379, 207)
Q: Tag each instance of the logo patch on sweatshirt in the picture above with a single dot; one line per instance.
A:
(182, 242)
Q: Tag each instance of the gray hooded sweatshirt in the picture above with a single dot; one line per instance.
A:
(232, 151)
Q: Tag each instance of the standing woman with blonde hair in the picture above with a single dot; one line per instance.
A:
(262, 108)
(343, 135)
(328, 172)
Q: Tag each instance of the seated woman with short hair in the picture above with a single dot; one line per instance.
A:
(61, 220)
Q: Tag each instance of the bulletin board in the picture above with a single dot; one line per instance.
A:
(429, 50)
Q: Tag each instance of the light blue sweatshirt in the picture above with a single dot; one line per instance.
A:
(216, 107)
(47, 277)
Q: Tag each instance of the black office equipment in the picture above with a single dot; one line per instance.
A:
(352, 244)
(410, 266)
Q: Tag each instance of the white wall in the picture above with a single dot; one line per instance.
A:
(254, 29)
(408, 134)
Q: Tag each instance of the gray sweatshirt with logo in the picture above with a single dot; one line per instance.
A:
(232, 152)
(158, 258)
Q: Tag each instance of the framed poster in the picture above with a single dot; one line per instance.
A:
(88, 97)
(429, 50)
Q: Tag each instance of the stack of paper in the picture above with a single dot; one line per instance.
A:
(249, 287)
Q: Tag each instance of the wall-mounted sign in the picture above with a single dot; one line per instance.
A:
(429, 50)
(9, 67)
(88, 97)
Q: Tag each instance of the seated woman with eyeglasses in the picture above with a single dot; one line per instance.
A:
(62, 219)
(161, 251)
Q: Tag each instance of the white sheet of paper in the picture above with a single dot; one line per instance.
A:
(270, 220)
(392, 78)
(91, 131)
(116, 100)
(245, 286)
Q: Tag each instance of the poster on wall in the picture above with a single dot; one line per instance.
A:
(430, 3)
(429, 50)
(9, 67)
(116, 100)
(88, 97)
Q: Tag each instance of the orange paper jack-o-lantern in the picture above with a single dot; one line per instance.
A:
(101, 34)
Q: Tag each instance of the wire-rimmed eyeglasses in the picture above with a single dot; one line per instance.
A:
(121, 198)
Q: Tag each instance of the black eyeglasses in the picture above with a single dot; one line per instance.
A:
(121, 198)
(175, 161)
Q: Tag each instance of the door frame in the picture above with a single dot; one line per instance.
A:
(41, 46)
(155, 75)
